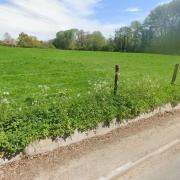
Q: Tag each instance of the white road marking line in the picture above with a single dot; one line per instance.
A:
(122, 169)
(118, 171)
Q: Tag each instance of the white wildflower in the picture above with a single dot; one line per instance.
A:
(6, 93)
(5, 101)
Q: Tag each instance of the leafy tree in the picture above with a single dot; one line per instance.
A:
(65, 39)
(123, 39)
(8, 40)
(110, 45)
(81, 40)
(24, 40)
(95, 41)
(162, 27)
(136, 35)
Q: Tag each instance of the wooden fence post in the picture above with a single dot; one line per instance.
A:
(176, 68)
(117, 68)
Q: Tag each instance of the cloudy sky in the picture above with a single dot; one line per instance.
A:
(43, 18)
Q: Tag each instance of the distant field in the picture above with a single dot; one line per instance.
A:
(23, 70)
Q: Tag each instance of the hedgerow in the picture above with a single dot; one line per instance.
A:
(59, 115)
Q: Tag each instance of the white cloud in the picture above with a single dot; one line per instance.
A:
(164, 2)
(133, 10)
(43, 18)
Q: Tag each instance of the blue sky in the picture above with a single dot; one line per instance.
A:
(117, 10)
(43, 18)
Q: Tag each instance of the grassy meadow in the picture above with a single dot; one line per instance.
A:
(52, 93)
(23, 70)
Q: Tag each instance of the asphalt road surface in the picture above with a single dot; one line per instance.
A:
(165, 166)
(147, 150)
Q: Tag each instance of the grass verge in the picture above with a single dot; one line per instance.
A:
(59, 115)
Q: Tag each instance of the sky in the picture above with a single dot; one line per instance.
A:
(43, 18)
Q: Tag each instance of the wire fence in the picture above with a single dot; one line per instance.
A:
(70, 83)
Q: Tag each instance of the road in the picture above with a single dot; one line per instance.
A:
(165, 166)
(149, 149)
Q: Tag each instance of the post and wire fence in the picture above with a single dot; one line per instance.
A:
(117, 74)
(176, 69)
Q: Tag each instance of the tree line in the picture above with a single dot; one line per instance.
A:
(26, 41)
(160, 32)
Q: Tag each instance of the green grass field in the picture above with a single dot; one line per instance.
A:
(28, 112)
(23, 70)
